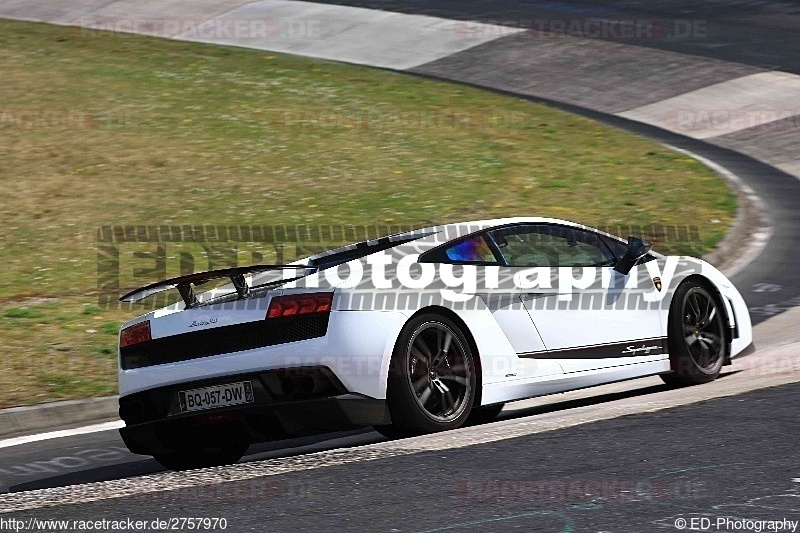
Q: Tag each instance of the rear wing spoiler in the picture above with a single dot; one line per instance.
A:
(184, 283)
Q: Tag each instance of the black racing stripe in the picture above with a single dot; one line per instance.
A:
(634, 348)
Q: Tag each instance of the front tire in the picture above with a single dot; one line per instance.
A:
(697, 341)
(432, 378)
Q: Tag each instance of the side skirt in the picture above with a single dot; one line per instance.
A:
(522, 389)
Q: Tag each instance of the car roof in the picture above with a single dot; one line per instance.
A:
(448, 232)
(423, 239)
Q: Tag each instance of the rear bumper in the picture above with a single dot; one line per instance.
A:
(357, 348)
(284, 405)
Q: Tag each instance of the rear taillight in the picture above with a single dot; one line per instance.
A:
(135, 334)
(300, 304)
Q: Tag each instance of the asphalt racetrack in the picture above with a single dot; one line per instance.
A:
(733, 458)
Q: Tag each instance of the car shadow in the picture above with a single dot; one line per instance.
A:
(142, 465)
(510, 413)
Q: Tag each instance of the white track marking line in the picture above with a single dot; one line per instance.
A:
(751, 101)
(334, 32)
(94, 428)
(345, 33)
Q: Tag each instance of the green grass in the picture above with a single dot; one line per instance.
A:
(119, 129)
(22, 312)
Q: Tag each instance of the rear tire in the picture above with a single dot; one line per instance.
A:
(432, 379)
(203, 457)
(698, 344)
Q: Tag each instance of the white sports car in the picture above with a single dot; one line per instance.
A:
(415, 333)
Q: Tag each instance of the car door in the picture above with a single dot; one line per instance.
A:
(606, 322)
(505, 302)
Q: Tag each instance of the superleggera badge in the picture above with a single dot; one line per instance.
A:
(196, 323)
(635, 351)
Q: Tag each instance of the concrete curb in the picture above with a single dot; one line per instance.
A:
(751, 229)
(17, 421)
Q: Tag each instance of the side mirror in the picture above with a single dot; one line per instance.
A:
(637, 248)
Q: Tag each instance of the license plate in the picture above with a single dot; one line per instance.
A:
(216, 396)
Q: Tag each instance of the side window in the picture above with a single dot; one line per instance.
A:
(472, 250)
(550, 246)
(524, 246)
(617, 248)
